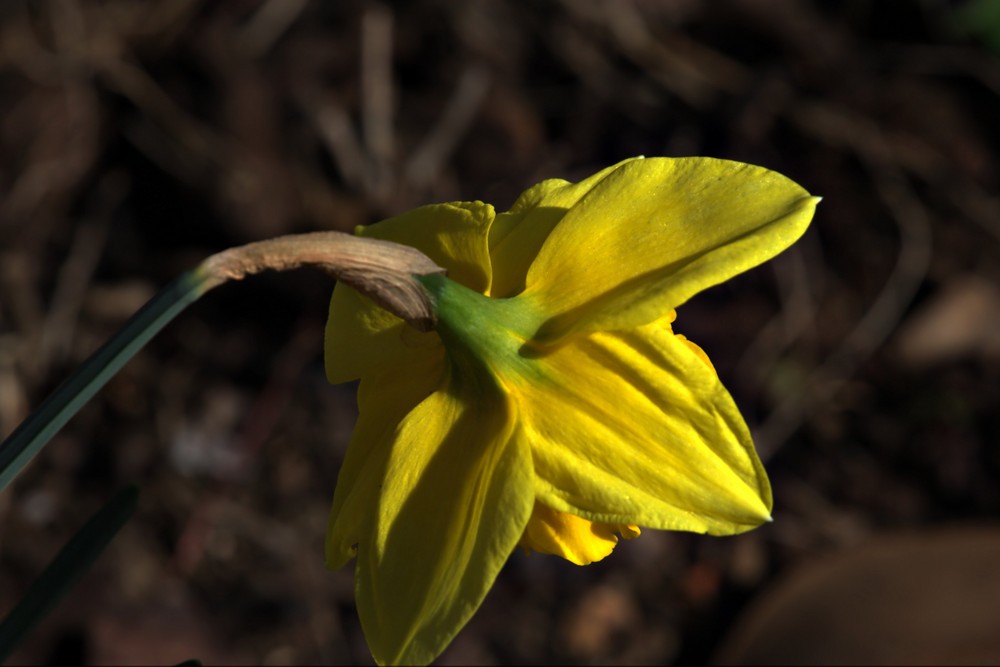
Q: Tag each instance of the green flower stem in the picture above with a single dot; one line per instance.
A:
(382, 270)
(28, 438)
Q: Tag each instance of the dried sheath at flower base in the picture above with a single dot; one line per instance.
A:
(381, 270)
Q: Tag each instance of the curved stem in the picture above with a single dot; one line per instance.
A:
(381, 270)
(39, 427)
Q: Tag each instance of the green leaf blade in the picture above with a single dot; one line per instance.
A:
(72, 561)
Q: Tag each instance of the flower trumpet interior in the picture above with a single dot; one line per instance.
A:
(552, 406)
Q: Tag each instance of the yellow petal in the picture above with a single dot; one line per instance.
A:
(635, 428)
(360, 336)
(384, 401)
(572, 537)
(455, 235)
(517, 235)
(653, 233)
(363, 339)
(456, 496)
(697, 350)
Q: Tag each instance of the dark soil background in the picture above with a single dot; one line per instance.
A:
(136, 138)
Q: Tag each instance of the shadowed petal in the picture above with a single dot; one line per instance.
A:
(383, 402)
(363, 338)
(456, 496)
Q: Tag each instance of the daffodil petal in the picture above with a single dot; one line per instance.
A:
(383, 402)
(455, 235)
(517, 236)
(653, 233)
(697, 350)
(635, 428)
(363, 338)
(455, 499)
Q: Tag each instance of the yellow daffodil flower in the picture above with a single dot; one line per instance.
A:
(552, 406)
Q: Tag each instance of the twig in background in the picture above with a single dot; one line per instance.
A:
(59, 328)
(910, 215)
(799, 302)
(271, 20)
(424, 166)
(378, 99)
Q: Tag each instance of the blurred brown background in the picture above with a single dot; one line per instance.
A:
(136, 138)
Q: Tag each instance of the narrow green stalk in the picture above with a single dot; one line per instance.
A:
(35, 431)
(381, 270)
(66, 568)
